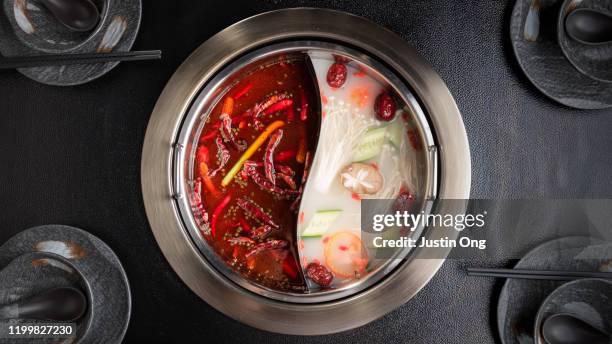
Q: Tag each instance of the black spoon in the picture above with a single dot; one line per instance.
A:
(77, 15)
(589, 26)
(59, 304)
(567, 329)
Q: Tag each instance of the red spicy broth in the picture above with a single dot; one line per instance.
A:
(249, 218)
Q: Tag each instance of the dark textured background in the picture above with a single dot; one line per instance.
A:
(71, 156)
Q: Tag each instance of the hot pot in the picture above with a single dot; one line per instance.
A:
(178, 118)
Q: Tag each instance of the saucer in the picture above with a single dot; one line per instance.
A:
(117, 31)
(533, 33)
(110, 291)
(520, 299)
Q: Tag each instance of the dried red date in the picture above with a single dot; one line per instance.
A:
(319, 274)
(336, 75)
(385, 107)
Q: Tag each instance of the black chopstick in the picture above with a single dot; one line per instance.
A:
(71, 59)
(537, 274)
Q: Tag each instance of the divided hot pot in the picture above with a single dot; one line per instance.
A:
(251, 139)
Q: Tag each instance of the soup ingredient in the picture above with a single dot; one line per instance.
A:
(336, 75)
(263, 183)
(251, 150)
(280, 106)
(385, 107)
(321, 221)
(275, 139)
(243, 91)
(290, 267)
(241, 240)
(217, 213)
(361, 178)
(226, 124)
(259, 109)
(319, 274)
(254, 211)
(303, 105)
(344, 255)
(301, 153)
(199, 213)
(269, 245)
(261, 232)
(223, 156)
(207, 181)
(284, 155)
(371, 144)
(341, 131)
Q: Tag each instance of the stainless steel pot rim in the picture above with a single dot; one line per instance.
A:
(200, 109)
(320, 318)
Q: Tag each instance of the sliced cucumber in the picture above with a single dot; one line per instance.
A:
(320, 222)
(396, 132)
(371, 144)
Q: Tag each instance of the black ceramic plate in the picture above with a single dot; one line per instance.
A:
(534, 40)
(520, 299)
(26, 29)
(110, 291)
(587, 299)
(32, 273)
(592, 60)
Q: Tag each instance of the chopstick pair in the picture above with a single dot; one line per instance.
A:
(71, 59)
(537, 274)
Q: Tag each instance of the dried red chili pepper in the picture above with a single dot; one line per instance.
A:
(255, 211)
(303, 105)
(275, 139)
(244, 241)
(286, 170)
(288, 180)
(261, 107)
(261, 232)
(223, 156)
(266, 246)
(266, 185)
(319, 274)
(228, 134)
(199, 213)
(336, 75)
(217, 213)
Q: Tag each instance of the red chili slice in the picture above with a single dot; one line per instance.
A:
(243, 91)
(290, 267)
(279, 106)
(336, 75)
(319, 274)
(303, 105)
(284, 155)
(217, 213)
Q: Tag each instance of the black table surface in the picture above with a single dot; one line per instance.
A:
(71, 155)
